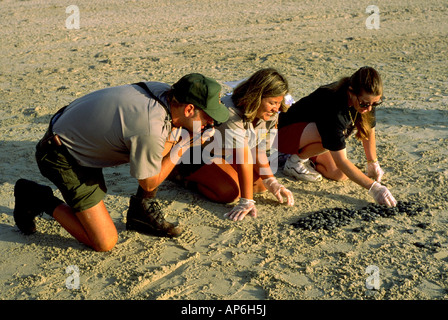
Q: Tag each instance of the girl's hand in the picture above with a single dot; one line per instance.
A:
(382, 195)
(278, 190)
(244, 207)
(374, 171)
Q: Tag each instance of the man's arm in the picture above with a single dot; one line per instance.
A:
(151, 183)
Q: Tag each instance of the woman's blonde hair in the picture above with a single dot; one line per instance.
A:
(264, 83)
(365, 80)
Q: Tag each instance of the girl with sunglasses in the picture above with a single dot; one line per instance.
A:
(316, 127)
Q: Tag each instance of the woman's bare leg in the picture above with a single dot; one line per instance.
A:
(218, 182)
(327, 167)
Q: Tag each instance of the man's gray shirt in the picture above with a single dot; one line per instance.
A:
(117, 125)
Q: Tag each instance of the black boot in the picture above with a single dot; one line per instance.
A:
(145, 216)
(31, 200)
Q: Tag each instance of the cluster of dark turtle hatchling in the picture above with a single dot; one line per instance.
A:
(330, 219)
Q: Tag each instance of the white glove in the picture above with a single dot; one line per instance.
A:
(278, 189)
(382, 195)
(244, 207)
(374, 171)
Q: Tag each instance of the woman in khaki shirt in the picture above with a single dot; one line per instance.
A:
(238, 165)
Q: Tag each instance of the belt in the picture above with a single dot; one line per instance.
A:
(51, 139)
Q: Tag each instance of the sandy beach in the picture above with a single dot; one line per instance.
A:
(45, 65)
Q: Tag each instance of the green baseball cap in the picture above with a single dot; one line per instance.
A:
(203, 93)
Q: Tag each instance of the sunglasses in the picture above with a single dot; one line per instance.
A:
(367, 105)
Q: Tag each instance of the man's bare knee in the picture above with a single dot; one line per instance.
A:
(106, 245)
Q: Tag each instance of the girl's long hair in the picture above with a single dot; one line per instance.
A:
(264, 83)
(365, 80)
